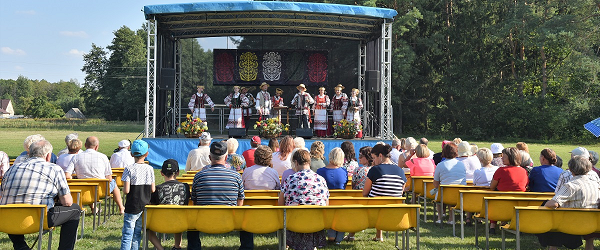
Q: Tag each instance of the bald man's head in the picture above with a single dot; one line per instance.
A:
(92, 142)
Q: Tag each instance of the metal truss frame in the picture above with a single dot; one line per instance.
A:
(151, 73)
(176, 114)
(386, 111)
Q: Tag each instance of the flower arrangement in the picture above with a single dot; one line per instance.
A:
(192, 127)
(346, 129)
(271, 128)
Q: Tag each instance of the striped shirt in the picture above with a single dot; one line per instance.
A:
(90, 164)
(566, 176)
(217, 185)
(580, 192)
(33, 181)
(388, 180)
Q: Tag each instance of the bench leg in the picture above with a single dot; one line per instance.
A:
(503, 241)
(49, 240)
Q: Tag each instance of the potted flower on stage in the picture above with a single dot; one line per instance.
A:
(270, 128)
(346, 129)
(192, 127)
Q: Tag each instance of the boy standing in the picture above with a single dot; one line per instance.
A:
(171, 192)
(138, 185)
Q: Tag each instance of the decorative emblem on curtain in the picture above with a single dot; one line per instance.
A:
(317, 68)
(248, 66)
(271, 66)
(224, 66)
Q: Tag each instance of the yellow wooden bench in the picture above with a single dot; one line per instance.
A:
(450, 195)
(88, 195)
(25, 219)
(272, 201)
(417, 186)
(103, 192)
(268, 219)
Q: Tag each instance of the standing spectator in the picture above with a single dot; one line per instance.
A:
(236, 161)
(350, 163)
(4, 163)
(408, 153)
(317, 156)
(304, 187)
(93, 164)
(384, 179)
(260, 175)
(228, 191)
(249, 154)
(170, 192)
(122, 158)
(471, 163)
(449, 172)
(63, 161)
(545, 177)
(274, 145)
(68, 138)
(36, 181)
(422, 165)
(281, 160)
(138, 185)
(25, 154)
(395, 153)
(484, 175)
(198, 158)
(497, 153)
(437, 157)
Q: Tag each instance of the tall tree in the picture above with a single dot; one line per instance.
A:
(94, 66)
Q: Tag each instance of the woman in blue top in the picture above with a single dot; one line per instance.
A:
(449, 172)
(336, 178)
(545, 177)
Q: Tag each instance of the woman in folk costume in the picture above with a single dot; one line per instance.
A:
(353, 107)
(321, 104)
(277, 101)
(301, 101)
(263, 101)
(196, 104)
(235, 101)
(247, 110)
(339, 103)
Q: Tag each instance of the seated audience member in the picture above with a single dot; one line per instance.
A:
(260, 175)
(484, 175)
(566, 175)
(526, 161)
(360, 174)
(317, 156)
(299, 143)
(579, 192)
(425, 142)
(281, 159)
(304, 187)
(396, 147)
(68, 138)
(25, 154)
(594, 158)
(350, 163)
(437, 157)
(523, 146)
(249, 154)
(408, 153)
(63, 161)
(198, 158)
(122, 158)
(4, 163)
(37, 181)
(497, 151)
(170, 192)
(235, 161)
(422, 165)
(336, 177)
(465, 156)
(545, 177)
(274, 145)
(448, 172)
(457, 141)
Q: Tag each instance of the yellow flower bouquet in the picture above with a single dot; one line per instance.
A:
(192, 127)
(346, 129)
(271, 128)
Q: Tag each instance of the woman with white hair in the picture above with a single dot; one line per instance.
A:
(409, 151)
(236, 161)
(28, 141)
(336, 178)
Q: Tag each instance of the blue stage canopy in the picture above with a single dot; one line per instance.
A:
(275, 6)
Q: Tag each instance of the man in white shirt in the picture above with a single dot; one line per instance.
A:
(263, 101)
(93, 164)
(198, 158)
(68, 138)
(395, 153)
(122, 158)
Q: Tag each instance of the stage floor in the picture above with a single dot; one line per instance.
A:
(178, 147)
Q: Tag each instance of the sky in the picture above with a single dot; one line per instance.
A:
(47, 39)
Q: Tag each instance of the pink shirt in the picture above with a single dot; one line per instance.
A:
(421, 166)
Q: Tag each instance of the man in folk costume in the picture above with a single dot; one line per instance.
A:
(321, 104)
(247, 110)
(302, 100)
(354, 105)
(263, 101)
(277, 101)
(339, 104)
(196, 104)
(235, 101)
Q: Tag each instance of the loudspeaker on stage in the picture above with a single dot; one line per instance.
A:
(305, 133)
(236, 132)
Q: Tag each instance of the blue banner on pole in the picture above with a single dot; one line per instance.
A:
(594, 127)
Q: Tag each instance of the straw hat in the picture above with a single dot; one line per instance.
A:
(339, 86)
(278, 90)
(301, 86)
(464, 149)
(263, 84)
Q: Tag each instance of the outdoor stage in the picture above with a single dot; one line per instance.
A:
(161, 149)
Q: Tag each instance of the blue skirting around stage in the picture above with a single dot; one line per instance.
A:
(161, 149)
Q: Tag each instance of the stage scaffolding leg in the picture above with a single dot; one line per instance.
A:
(150, 124)
(362, 68)
(177, 92)
(386, 111)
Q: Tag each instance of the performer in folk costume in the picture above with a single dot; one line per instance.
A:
(321, 104)
(301, 101)
(277, 101)
(263, 101)
(196, 104)
(235, 101)
(354, 105)
(247, 110)
(339, 104)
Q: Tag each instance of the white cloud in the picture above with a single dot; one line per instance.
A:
(19, 68)
(26, 12)
(9, 51)
(75, 52)
(80, 34)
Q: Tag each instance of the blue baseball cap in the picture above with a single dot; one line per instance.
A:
(139, 148)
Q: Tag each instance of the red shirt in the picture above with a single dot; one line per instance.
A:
(249, 157)
(511, 178)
